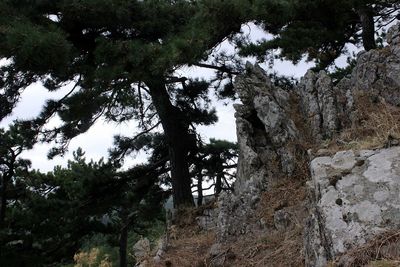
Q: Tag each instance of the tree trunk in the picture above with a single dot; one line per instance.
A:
(368, 27)
(179, 142)
(3, 199)
(218, 185)
(123, 240)
(200, 190)
(6, 178)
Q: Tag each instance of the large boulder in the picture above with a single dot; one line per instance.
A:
(355, 196)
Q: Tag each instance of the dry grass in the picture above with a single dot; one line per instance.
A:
(286, 193)
(190, 249)
(275, 247)
(375, 124)
(279, 249)
(285, 247)
(261, 247)
(188, 245)
(381, 251)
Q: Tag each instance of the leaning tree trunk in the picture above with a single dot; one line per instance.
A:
(179, 141)
(368, 27)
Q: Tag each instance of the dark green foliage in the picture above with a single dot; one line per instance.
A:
(120, 53)
(53, 213)
(194, 102)
(215, 164)
(12, 143)
(284, 82)
(318, 29)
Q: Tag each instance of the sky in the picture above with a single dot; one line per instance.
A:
(99, 138)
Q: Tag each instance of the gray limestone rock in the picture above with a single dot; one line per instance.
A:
(282, 219)
(326, 107)
(356, 196)
(208, 220)
(378, 70)
(263, 128)
(141, 249)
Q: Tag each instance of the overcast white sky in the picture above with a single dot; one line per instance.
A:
(99, 138)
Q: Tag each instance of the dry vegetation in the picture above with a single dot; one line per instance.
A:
(262, 247)
(91, 258)
(189, 248)
(381, 251)
(375, 124)
(283, 247)
(187, 243)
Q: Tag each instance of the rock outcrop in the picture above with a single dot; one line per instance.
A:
(354, 194)
(264, 130)
(319, 100)
(378, 71)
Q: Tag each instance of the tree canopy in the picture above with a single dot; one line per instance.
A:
(122, 58)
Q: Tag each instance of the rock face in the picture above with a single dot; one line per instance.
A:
(141, 249)
(319, 104)
(264, 130)
(356, 196)
(378, 70)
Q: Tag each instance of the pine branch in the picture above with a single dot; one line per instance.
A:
(222, 68)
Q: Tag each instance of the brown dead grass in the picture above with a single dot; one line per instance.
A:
(188, 245)
(261, 247)
(271, 246)
(286, 193)
(375, 125)
(189, 249)
(285, 246)
(382, 250)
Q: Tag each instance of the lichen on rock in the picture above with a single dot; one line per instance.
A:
(356, 197)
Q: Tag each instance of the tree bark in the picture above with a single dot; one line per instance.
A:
(3, 199)
(368, 27)
(218, 184)
(176, 131)
(200, 190)
(123, 240)
(6, 177)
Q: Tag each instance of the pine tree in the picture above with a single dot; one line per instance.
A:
(318, 29)
(12, 143)
(116, 52)
(214, 163)
(51, 214)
